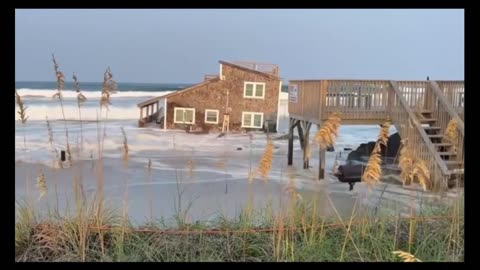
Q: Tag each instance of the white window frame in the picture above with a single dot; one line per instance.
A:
(183, 109)
(253, 115)
(254, 89)
(217, 112)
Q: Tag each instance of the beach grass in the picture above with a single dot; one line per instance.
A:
(261, 235)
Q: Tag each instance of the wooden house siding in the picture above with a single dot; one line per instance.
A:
(214, 94)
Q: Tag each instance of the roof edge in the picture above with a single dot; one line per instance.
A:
(248, 69)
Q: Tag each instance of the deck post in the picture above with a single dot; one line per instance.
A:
(321, 160)
(306, 143)
(291, 126)
(321, 164)
(299, 125)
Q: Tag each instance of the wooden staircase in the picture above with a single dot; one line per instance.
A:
(445, 150)
(429, 117)
(420, 111)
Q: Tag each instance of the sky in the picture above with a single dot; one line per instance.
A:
(181, 46)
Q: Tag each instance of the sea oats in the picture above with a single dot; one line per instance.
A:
(109, 87)
(405, 256)
(265, 163)
(325, 136)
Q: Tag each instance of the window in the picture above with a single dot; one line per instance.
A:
(252, 120)
(254, 90)
(211, 116)
(184, 115)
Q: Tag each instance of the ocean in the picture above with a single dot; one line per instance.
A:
(38, 97)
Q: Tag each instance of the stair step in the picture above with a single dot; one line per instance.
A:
(453, 162)
(428, 120)
(432, 128)
(435, 136)
(442, 144)
(447, 153)
(456, 172)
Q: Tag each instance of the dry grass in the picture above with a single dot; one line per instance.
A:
(296, 233)
(326, 135)
(265, 164)
(384, 133)
(406, 162)
(50, 132)
(60, 79)
(405, 256)
(80, 100)
(413, 169)
(22, 109)
(420, 173)
(80, 97)
(109, 86)
(58, 162)
(60, 84)
(373, 170)
(41, 184)
(22, 113)
(451, 134)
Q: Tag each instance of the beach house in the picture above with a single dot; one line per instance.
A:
(242, 96)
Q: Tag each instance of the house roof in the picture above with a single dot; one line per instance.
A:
(155, 99)
(248, 69)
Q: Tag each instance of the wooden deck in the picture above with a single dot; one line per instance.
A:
(152, 112)
(420, 111)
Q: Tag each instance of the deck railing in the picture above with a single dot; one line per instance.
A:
(150, 112)
(356, 100)
(415, 94)
(262, 67)
(454, 92)
(209, 77)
